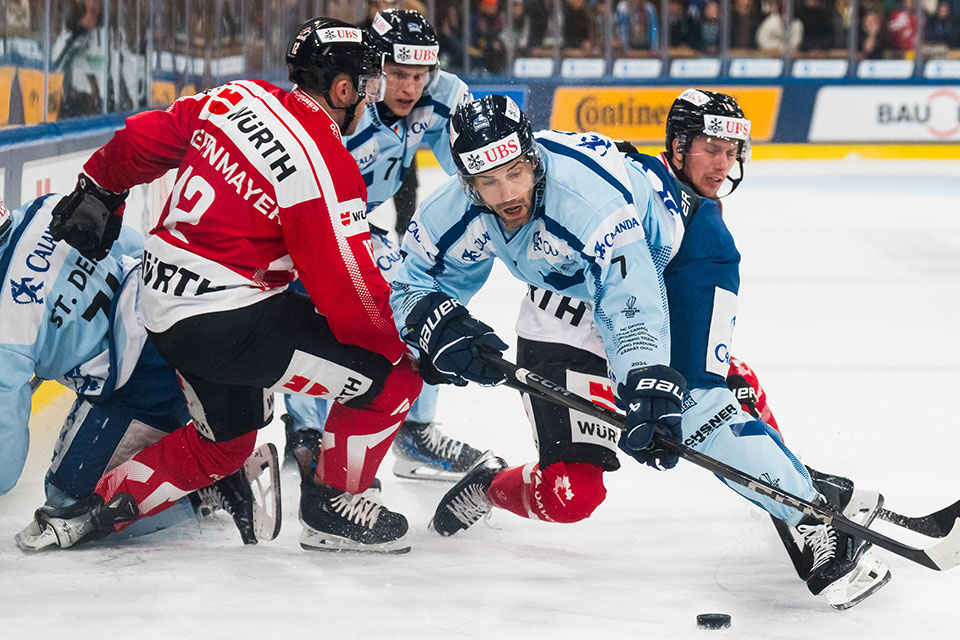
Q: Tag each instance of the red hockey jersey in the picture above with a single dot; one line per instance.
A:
(265, 192)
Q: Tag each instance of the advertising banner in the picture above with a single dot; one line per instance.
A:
(886, 114)
(639, 114)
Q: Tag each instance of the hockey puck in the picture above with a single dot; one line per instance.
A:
(713, 621)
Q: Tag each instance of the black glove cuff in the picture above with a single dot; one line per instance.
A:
(112, 201)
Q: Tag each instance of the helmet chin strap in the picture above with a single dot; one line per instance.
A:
(350, 111)
(687, 181)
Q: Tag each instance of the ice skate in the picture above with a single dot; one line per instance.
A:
(335, 520)
(301, 448)
(842, 571)
(467, 501)
(859, 505)
(255, 513)
(85, 520)
(423, 453)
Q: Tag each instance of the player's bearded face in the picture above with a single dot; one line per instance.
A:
(508, 191)
(707, 163)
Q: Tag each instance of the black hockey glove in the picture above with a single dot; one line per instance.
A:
(89, 219)
(653, 396)
(449, 340)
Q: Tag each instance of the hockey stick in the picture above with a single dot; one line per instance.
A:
(936, 525)
(940, 557)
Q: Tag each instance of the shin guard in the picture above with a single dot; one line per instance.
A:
(355, 440)
(175, 465)
(563, 492)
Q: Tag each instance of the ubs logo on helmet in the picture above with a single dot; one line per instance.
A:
(722, 126)
(492, 155)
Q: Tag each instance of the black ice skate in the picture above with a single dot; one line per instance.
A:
(83, 521)
(423, 453)
(335, 520)
(842, 571)
(255, 513)
(859, 505)
(467, 501)
(302, 447)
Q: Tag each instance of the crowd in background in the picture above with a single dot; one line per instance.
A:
(112, 55)
(818, 28)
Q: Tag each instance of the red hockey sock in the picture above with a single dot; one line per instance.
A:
(355, 441)
(172, 467)
(563, 492)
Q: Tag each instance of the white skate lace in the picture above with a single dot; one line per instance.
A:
(443, 446)
(470, 505)
(822, 540)
(358, 508)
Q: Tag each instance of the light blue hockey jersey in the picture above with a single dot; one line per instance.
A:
(598, 232)
(59, 320)
(384, 153)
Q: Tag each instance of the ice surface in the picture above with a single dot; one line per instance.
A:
(848, 310)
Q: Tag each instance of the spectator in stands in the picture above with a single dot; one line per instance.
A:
(708, 39)
(941, 27)
(871, 35)
(80, 54)
(902, 26)
(486, 47)
(680, 28)
(636, 24)
(819, 35)
(770, 33)
(450, 37)
(578, 27)
(517, 31)
(538, 13)
(744, 20)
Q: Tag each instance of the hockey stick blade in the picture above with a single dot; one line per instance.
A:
(936, 525)
(942, 556)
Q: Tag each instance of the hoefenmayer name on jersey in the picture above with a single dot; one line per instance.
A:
(249, 156)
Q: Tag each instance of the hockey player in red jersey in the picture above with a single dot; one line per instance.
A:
(265, 193)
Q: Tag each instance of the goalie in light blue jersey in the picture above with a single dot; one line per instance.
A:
(76, 320)
(415, 111)
(628, 247)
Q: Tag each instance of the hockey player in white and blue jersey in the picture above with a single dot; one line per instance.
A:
(701, 282)
(563, 213)
(76, 320)
(415, 111)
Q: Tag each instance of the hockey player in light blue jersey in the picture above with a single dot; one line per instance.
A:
(699, 263)
(563, 213)
(416, 110)
(64, 317)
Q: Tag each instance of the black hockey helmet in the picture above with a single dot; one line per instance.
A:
(488, 133)
(324, 47)
(404, 36)
(697, 112)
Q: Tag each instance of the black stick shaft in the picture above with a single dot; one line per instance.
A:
(945, 555)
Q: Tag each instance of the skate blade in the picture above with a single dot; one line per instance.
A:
(263, 474)
(32, 538)
(864, 507)
(418, 471)
(313, 540)
(870, 579)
